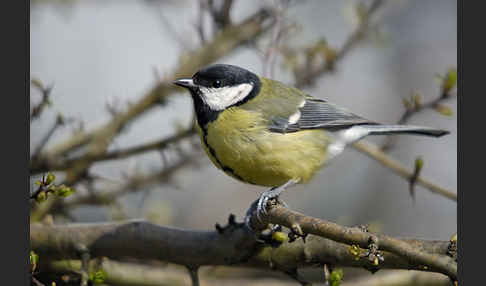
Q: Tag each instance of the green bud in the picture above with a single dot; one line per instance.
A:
(41, 196)
(355, 251)
(63, 191)
(336, 277)
(407, 103)
(37, 83)
(34, 260)
(450, 80)
(419, 163)
(417, 101)
(444, 110)
(97, 277)
(50, 178)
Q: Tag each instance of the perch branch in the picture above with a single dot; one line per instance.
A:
(232, 245)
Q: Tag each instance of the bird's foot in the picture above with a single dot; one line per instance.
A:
(271, 194)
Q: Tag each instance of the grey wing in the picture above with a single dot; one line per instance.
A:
(317, 114)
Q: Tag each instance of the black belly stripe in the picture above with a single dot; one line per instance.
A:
(213, 153)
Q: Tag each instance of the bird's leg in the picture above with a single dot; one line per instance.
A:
(272, 193)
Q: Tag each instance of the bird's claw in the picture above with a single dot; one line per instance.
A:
(262, 204)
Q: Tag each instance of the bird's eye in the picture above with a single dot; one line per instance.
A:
(217, 84)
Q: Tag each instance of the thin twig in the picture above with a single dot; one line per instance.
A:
(134, 184)
(272, 49)
(407, 115)
(166, 24)
(374, 152)
(59, 122)
(36, 282)
(308, 75)
(45, 101)
(118, 154)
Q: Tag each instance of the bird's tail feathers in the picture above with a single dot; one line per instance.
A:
(405, 129)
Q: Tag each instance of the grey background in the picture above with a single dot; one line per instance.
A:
(105, 51)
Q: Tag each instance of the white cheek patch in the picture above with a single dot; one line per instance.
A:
(221, 98)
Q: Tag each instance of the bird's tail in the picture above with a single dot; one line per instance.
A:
(405, 129)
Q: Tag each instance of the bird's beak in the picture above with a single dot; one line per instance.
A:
(185, 82)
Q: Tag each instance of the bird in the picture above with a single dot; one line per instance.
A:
(263, 132)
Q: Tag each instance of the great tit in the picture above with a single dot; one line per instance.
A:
(263, 132)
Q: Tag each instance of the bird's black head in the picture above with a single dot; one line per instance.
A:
(217, 87)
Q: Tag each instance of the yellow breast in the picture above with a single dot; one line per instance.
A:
(247, 151)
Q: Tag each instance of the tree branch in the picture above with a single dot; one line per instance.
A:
(374, 152)
(231, 245)
(119, 154)
(415, 106)
(307, 75)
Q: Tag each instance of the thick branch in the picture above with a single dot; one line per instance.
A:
(235, 245)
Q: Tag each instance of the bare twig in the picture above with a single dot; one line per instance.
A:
(272, 49)
(307, 75)
(166, 24)
(221, 16)
(45, 101)
(411, 111)
(374, 152)
(119, 154)
(38, 149)
(203, 6)
(36, 282)
(134, 184)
